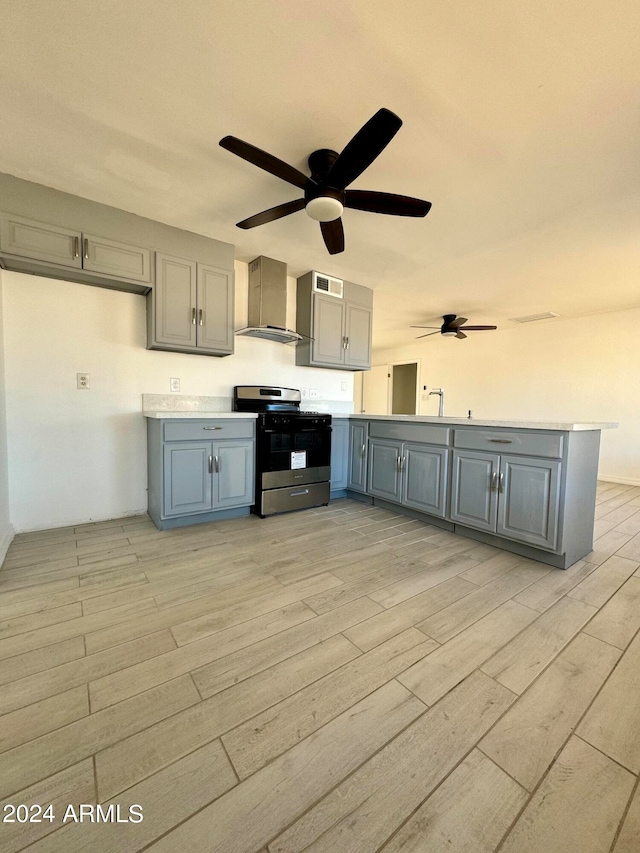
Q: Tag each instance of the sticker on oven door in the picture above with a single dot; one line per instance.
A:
(298, 459)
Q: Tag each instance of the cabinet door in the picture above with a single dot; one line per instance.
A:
(384, 469)
(529, 500)
(233, 477)
(187, 481)
(42, 242)
(215, 309)
(339, 454)
(174, 297)
(117, 259)
(358, 334)
(474, 495)
(425, 478)
(357, 457)
(328, 330)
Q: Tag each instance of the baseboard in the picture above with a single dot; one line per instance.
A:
(6, 538)
(133, 513)
(624, 481)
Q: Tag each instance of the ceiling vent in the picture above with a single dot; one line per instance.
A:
(548, 315)
(325, 284)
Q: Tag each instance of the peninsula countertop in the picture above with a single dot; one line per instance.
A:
(560, 426)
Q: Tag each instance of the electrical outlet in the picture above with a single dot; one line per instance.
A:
(82, 380)
(313, 393)
(174, 383)
(304, 393)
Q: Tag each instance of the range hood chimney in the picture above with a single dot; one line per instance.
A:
(268, 302)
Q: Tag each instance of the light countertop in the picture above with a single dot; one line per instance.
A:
(560, 426)
(194, 415)
(481, 422)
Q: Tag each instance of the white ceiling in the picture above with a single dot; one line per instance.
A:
(521, 126)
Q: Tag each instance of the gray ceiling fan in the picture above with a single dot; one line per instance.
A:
(452, 327)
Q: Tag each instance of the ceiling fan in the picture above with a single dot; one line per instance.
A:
(325, 191)
(452, 327)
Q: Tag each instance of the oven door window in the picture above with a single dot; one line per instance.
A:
(277, 448)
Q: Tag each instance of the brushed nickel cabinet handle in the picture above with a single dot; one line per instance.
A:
(494, 482)
(211, 427)
(347, 347)
(193, 316)
(211, 464)
(399, 463)
(362, 450)
(86, 249)
(501, 440)
(501, 486)
(200, 317)
(217, 461)
(76, 247)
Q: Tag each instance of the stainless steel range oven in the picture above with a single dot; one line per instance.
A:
(293, 450)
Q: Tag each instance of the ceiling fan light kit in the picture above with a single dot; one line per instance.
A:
(325, 190)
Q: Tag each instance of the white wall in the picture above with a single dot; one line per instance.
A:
(584, 369)
(6, 529)
(77, 456)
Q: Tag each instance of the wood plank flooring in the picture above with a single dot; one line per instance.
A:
(342, 679)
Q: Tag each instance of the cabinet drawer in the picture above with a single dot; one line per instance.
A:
(201, 429)
(498, 441)
(420, 433)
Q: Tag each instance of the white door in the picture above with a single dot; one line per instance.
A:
(375, 390)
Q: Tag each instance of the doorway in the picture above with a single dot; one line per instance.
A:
(404, 388)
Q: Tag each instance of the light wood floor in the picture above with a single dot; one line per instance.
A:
(335, 680)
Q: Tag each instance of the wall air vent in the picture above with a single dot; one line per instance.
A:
(325, 284)
(548, 315)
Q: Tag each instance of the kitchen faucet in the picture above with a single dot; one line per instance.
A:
(440, 393)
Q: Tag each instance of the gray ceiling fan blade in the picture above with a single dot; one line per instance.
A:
(460, 334)
(455, 324)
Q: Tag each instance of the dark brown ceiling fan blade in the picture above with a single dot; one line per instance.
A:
(456, 323)
(394, 205)
(372, 138)
(428, 333)
(333, 234)
(460, 334)
(271, 214)
(478, 328)
(264, 161)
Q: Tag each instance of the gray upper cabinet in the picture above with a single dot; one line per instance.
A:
(215, 298)
(336, 328)
(57, 235)
(174, 302)
(117, 259)
(27, 238)
(191, 307)
(73, 249)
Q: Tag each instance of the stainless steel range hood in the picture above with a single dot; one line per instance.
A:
(268, 302)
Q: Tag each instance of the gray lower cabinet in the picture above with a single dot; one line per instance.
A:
(195, 478)
(414, 475)
(513, 496)
(339, 454)
(358, 442)
(191, 307)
